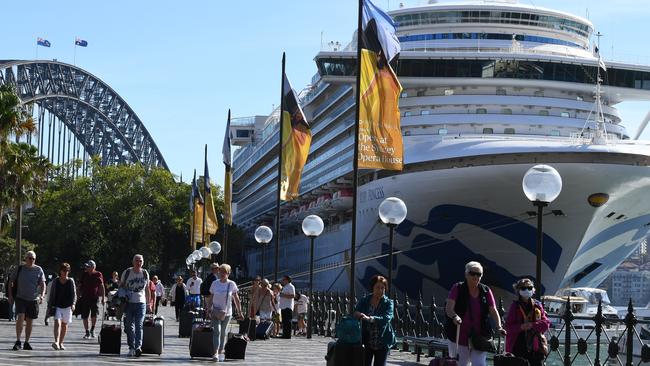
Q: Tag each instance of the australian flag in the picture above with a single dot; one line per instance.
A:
(43, 42)
(81, 43)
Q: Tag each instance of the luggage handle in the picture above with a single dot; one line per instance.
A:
(456, 356)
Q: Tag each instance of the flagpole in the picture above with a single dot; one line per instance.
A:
(205, 184)
(226, 224)
(192, 242)
(74, 59)
(355, 164)
(277, 214)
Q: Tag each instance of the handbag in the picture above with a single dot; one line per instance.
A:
(481, 343)
(538, 343)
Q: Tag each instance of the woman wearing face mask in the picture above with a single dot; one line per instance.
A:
(526, 320)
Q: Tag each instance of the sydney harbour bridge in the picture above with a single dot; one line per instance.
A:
(79, 116)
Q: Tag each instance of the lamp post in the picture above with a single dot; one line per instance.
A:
(263, 235)
(312, 226)
(215, 247)
(392, 211)
(542, 184)
(196, 256)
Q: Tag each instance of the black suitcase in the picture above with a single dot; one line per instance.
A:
(185, 324)
(201, 344)
(247, 327)
(236, 347)
(153, 335)
(263, 330)
(508, 359)
(110, 339)
(346, 354)
(5, 308)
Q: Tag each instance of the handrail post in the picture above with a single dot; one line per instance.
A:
(630, 322)
(568, 318)
(599, 320)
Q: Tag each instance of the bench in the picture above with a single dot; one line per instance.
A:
(432, 344)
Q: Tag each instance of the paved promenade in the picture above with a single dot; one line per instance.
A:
(297, 351)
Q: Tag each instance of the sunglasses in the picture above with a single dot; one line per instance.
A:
(528, 288)
(32, 258)
(475, 274)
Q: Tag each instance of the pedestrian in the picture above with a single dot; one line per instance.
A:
(178, 293)
(194, 289)
(375, 311)
(266, 303)
(211, 277)
(222, 293)
(302, 305)
(286, 305)
(114, 283)
(276, 288)
(470, 304)
(26, 291)
(159, 291)
(92, 289)
(255, 287)
(526, 323)
(136, 282)
(61, 301)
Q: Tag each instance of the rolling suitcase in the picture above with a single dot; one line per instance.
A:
(153, 335)
(346, 354)
(201, 341)
(447, 361)
(247, 327)
(5, 308)
(185, 324)
(263, 330)
(236, 347)
(110, 339)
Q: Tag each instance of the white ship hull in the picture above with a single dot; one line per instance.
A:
(480, 213)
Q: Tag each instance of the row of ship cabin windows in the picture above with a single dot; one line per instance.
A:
(543, 112)
(422, 93)
(486, 131)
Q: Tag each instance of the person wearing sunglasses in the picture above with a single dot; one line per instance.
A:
(469, 306)
(526, 323)
(26, 291)
(61, 303)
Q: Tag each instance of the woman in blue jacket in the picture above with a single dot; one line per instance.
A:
(376, 313)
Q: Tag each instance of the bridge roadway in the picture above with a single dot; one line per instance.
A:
(297, 351)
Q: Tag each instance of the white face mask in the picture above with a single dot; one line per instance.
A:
(526, 294)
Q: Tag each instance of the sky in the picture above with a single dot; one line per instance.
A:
(182, 65)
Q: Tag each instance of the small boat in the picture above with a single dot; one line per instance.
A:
(303, 211)
(342, 200)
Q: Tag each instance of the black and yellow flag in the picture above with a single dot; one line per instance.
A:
(380, 135)
(227, 186)
(296, 140)
(211, 223)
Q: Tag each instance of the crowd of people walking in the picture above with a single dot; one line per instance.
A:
(470, 309)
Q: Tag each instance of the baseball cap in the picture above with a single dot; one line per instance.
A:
(90, 264)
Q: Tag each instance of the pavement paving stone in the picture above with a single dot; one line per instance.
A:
(297, 351)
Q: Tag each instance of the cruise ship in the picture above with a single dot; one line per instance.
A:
(491, 88)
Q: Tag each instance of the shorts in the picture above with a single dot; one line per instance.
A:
(302, 316)
(65, 314)
(88, 307)
(29, 308)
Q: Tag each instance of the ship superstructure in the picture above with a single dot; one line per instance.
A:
(490, 89)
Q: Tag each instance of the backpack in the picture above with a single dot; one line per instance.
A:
(348, 330)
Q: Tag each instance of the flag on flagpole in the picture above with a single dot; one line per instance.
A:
(80, 42)
(198, 221)
(43, 42)
(296, 140)
(227, 186)
(380, 135)
(211, 224)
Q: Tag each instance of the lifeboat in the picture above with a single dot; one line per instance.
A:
(342, 200)
(324, 203)
(293, 215)
(303, 211)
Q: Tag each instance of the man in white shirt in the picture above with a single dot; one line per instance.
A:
(286, 305)
(194, 288)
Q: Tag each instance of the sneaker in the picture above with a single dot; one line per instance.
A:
(27, 347)
(131, 352)
(92, 334)
(138, 352)
(222, 357)
(87, 336)
(55, 346)
(16, 346)
(46, 323)
(215, 358)
(61, 347)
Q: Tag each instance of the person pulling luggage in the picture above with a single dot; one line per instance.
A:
(136, 281)
(219, 308)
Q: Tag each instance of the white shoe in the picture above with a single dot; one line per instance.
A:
(215, 358)
(222, 357)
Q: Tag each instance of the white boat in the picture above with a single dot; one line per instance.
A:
(490, 89)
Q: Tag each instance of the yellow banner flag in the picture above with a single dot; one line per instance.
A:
(211, 223)
(198, 222)
(380, 136)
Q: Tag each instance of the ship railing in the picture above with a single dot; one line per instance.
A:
(420, 329)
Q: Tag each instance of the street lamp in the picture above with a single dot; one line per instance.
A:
(392, 211)
(542, 184)
(312, 226)
(215, 247)
(205, 252)
(263, 235)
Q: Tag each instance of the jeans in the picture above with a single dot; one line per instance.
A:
(287, 315)
(134, 317)
(219, 329)
(379, 356)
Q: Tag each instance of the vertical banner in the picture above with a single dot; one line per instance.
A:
(198, 222)
(211, 223)
(296, 140)
(380, 135)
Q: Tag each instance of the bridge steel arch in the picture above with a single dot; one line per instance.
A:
(103, 123)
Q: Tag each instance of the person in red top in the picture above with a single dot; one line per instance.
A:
(92, 288)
